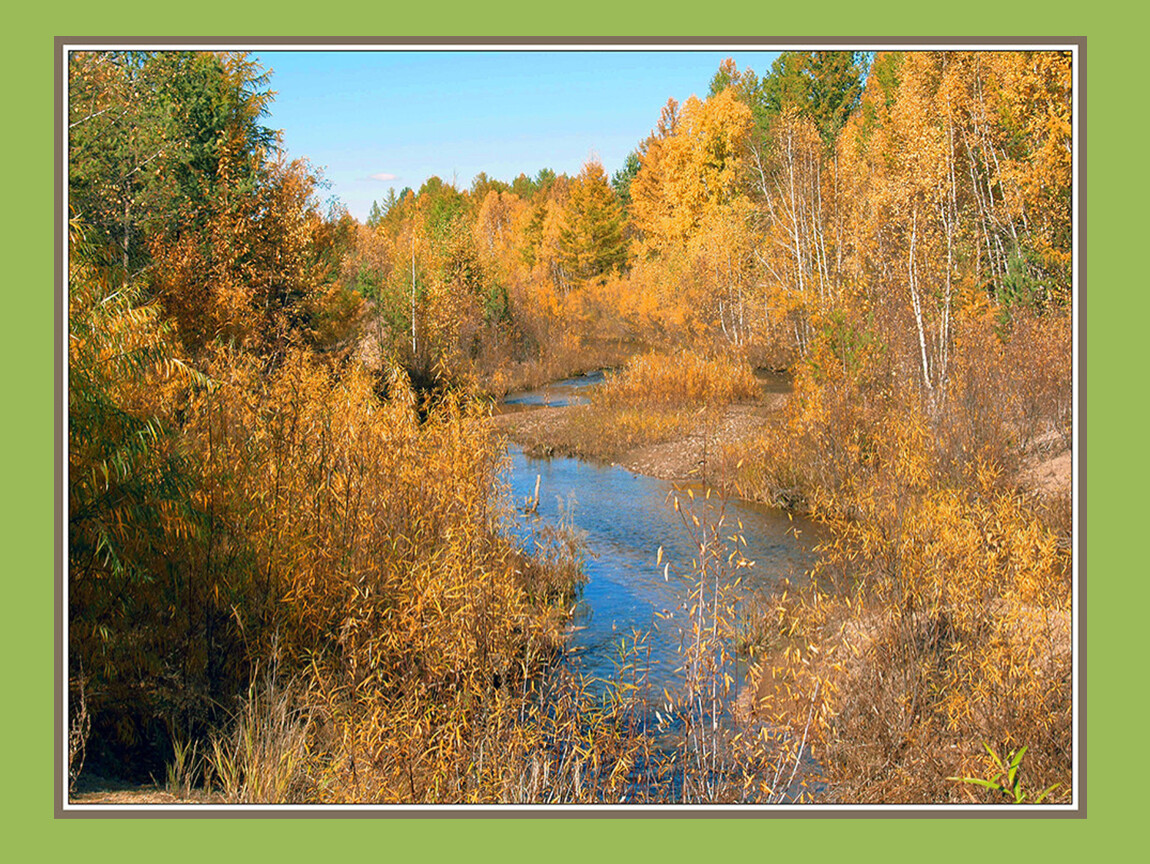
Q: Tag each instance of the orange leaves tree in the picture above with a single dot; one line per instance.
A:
(592, 242)
(147, 132)
(793, 204)
(942, 166)
(939, 620)
(222, 519)
(688, 210)
(432, 278)
(690, 167)
(254, 271)
(791, 180)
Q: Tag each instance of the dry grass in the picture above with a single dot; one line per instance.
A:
(683, 379)
(654, 398)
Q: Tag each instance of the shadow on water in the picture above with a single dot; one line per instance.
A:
(774, 382)
(575, 390)
(569, 391)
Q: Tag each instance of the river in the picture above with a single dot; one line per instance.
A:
(623, 519)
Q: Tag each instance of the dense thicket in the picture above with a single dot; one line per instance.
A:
(246, 494)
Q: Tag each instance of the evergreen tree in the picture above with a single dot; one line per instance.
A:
(621, 180)
(823, 85)
(592, 241)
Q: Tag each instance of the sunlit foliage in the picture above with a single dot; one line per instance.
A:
(288, 564)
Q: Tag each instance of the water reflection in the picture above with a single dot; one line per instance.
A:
(623, 519)
(569, 391)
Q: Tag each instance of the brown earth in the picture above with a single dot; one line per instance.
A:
(1046, 469)
(1048, 466)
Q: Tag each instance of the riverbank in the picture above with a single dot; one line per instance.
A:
(703, 450)
(694, 453)
(853, 647)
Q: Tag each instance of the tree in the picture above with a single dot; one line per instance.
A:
(131, 506)
(482, 184)
(119, 137)
(797, 111)
(722, 255)
(957, 174)
(259, 271)
(592, 241)
(375, 215)
(823, 85)
(694, 162)
(621, 179)
(181, 189)
(747, 87)
(146, 135)
(442, 204)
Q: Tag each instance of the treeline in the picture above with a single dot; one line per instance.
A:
(923, 186)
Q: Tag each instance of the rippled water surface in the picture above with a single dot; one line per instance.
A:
(623, 519)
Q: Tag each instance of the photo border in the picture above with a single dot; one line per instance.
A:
(64, 46)
(1115, 335)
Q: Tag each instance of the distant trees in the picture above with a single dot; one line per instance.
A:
(959, 190)
(621, 179)
(494, 266)
(823, 85)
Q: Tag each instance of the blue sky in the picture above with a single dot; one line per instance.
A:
(389, 119)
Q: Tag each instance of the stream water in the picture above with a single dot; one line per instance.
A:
(623, 519)
(569, 391)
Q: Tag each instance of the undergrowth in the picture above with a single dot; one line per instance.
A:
(939, 616)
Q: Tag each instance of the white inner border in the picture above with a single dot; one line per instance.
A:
(559, 809)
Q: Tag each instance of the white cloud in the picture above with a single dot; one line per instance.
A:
(384, 177)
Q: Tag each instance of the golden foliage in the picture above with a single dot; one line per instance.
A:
(654, 398)
(692, 169)
(259, 499)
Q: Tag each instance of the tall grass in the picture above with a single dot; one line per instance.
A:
(937, 622)
(392, 587)
(654, 398)
(723, 754)
(291, 508)
(682, 379)
(267, 755)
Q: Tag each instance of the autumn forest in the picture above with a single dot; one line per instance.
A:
(840, 288)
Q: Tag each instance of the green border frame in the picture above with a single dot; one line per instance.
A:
(28, 723)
